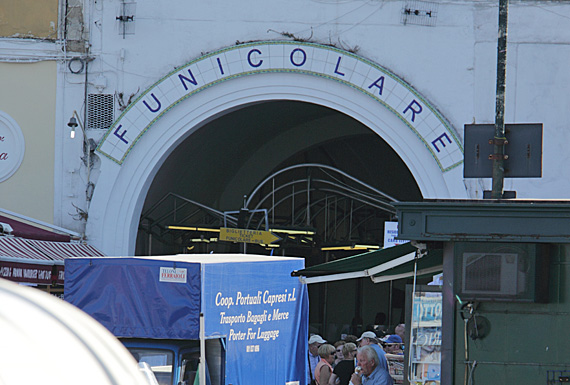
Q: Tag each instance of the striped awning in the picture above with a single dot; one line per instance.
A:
(20, 248)
(45, 250)
(62, 250)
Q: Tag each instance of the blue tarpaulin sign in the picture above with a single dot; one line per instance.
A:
(250, 301)
(129, 298)
(263, 312)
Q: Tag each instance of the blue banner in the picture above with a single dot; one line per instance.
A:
(263, 311)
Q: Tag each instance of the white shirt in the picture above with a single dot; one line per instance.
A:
(313, 360)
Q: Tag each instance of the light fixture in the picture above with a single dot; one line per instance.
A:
(350, 247)
(73, 123)
(292, 232)
(187, 228)
(204, 240)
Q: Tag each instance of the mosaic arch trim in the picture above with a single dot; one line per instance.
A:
(389, 90)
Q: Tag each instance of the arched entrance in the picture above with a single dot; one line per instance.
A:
(295, 167)
(189, 99)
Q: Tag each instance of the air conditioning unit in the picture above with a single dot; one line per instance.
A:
(501, 272)
(491, 273)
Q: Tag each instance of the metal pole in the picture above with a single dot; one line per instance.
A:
(499, 140)
(244, 245)
(325, 299)
(326, 215)
(202, 366)
(293, 205)
(309, 199)
(390, 304)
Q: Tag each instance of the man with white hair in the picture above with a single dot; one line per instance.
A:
(370, 339)
(371, 373)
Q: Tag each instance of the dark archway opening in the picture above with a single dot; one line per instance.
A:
(238, 159)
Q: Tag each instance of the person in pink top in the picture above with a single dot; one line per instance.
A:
(324, 367)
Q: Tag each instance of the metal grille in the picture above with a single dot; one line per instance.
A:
(419, 13)
(483, 273)
(100, 111)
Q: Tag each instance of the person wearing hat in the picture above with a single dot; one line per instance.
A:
(370, 338)
(393, 344)
(314, 343)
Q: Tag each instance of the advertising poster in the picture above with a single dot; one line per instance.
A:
(425, 339)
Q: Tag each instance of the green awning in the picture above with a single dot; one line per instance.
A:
(380, 265)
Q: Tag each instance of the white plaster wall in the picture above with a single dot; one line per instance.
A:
(452, 64)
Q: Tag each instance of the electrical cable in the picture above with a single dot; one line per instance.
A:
(411, 353)
(468, 371)
(466, 350)
(470, 379)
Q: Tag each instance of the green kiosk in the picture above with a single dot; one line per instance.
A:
(505, 302)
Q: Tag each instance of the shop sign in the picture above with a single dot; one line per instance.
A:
(327, 62)
(31, 273)
(173, 275)
(390, 234)
(11, 146)
(248, 236)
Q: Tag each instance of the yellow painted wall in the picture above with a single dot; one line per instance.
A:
(28, 18)
(28, 96)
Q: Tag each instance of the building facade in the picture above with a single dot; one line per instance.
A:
(186, 113)
(413, 79)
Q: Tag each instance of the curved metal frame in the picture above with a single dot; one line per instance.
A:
(366, 195)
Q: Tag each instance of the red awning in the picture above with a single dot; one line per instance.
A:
(20, 248)
(62, 250)
(39, 262)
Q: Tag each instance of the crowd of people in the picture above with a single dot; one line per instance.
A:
(352, 360)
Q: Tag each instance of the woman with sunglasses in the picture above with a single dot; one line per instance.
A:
(324, 368)
(344, 369)
(339, 355)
